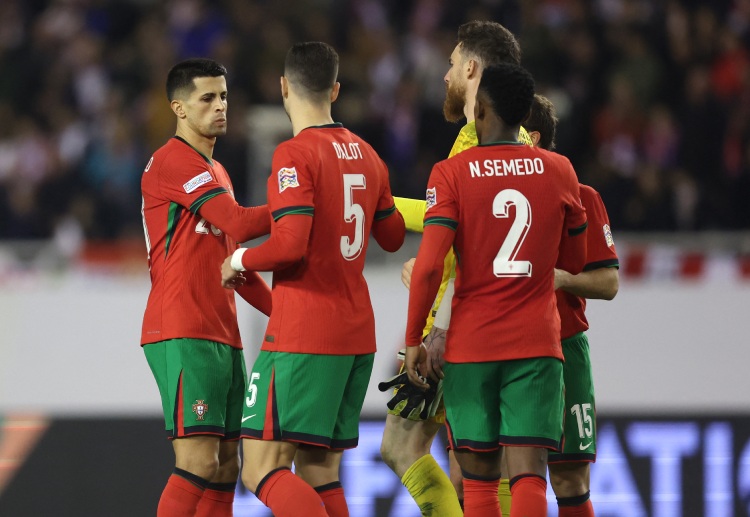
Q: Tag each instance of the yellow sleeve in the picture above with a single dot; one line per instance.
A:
(413, 212)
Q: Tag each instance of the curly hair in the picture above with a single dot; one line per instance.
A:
(510, 88)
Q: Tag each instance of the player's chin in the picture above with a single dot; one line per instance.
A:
(218, 130)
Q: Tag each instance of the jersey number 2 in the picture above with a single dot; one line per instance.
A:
(353, 212)
(505, 263)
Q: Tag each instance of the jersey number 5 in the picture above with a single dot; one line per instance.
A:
(353, 212)
(505, 263)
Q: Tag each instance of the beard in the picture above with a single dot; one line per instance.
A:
(455, 99)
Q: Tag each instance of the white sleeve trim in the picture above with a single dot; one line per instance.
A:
(443, 315)
(237, 259)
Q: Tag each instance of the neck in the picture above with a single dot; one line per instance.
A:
(499, 133)
(204, 144)
(305, 114)
(471, 96)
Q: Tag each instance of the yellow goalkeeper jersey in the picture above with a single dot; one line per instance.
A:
(413, 211)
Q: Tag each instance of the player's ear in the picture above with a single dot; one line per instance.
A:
(472, 68)
(479, 109)
(178, 108)
(335, 91)
(535, 136)
(284, 87)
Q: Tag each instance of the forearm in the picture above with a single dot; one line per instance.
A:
(413, 212)
(443, 315)
(287, 245)
(598, 284)
(239, 222)
(256, 292)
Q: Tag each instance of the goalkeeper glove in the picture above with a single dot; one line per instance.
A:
(410, 401)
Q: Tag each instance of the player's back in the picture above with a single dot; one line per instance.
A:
(513, 203)
(323, 302)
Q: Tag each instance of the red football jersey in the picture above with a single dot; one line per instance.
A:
(184, 250)
(509, 204)
(600, 252)
(321, 305)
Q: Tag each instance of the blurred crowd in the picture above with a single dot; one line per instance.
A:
(653, 97)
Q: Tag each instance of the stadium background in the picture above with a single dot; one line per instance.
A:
(654, 109)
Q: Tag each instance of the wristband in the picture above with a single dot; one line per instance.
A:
(237, 259)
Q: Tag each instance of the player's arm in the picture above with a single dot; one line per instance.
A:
(597, 284)
(572, 255)
(413, 211)
(239, 222)
(425, 282)
(600, 278)
(286, 246)
(256, 292)
(388, 229)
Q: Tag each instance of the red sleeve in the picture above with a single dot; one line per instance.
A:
(256, 292)
(441, 221)
(572, 254)
(388, 228)
(186, 181)
(390, 231)
(239, 222)
(600, 251)
(426, 278)
(287, 245)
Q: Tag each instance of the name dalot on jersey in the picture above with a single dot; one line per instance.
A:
(287, 178)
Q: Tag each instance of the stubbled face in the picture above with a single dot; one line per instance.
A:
(455, 88)
(206, 106)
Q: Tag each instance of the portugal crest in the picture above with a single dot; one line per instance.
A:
(200, 409)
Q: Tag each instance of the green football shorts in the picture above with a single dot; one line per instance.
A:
(202, 386)
(513, 403)
(579, 443)
(312, 399)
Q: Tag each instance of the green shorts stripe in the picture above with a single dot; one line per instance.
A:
(514, 403)
(201, 384)
(579, 442)
(306, 398)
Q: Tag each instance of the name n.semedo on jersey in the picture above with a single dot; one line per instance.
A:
(348, 151)
(515, 167)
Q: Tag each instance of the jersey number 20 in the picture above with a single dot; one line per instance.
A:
(353, 212)
(505, 263)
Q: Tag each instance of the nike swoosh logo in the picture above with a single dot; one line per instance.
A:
(580, 445)
(251, 416)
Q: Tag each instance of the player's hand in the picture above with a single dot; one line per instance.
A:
(410, 401)
(414, 362)
(435, 347)
(406, 272)
(230, 279)
(561, 278)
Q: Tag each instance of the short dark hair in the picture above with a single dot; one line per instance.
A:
(490, 42)
(542, 118)
(510, 88)
(181, 75)
(314, 66)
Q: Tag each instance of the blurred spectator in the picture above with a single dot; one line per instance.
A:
(653, 98)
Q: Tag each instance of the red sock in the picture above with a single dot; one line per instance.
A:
(288, 496)
(217, 501)
(182, 494)
(575, 506)
(480, 498)
(529, 496)
(332, 495)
